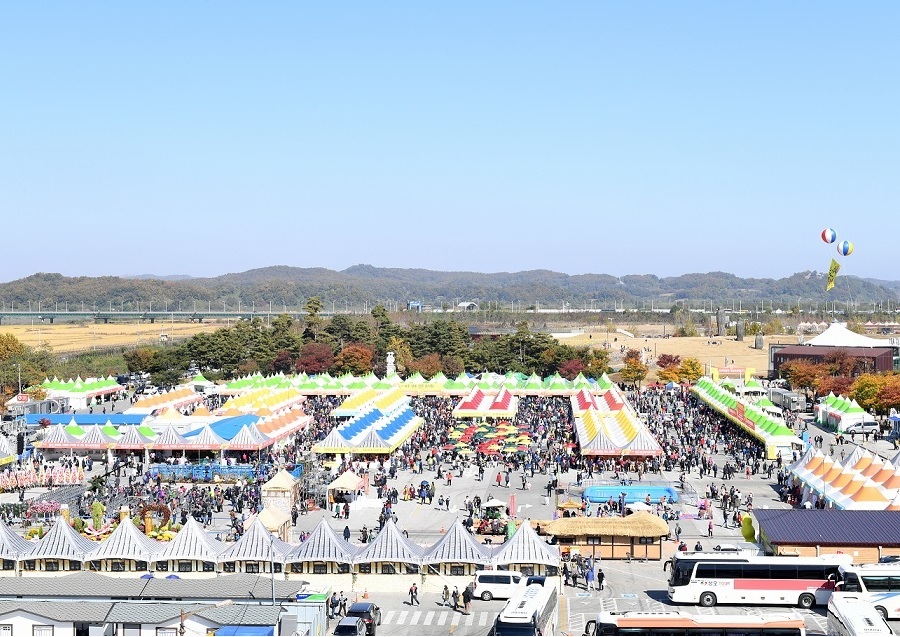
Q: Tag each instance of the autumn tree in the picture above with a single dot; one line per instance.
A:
(428, 365)
(839, 385)
(803, 373)
(315, 358)
(889, 395)
(403, 356)
(139, 359)
(634, 371)
(672, 373)
(355, 358)
(865, 390)
(691, 370)
(668, 360)
(571, 368)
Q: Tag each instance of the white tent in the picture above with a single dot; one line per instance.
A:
(837, 335)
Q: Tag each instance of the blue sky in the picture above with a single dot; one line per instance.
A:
(659, 138)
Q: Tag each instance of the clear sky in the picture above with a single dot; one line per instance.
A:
(609, 137)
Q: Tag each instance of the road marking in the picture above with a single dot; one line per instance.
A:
(442, 618)
(429, 617)
(469, 619)
(483, 619)
(388, 616)
(401, 618)
(415, 618)
(456, 618)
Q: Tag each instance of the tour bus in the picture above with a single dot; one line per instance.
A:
(878, 584)
(745, 579)
(850, 614)
(532, 610)
(681, 623)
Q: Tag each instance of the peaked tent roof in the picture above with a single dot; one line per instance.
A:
(456, 545)
(61, 542)
(390, 545)
(191, 543)
(12, 545)
(837, 335)
(323, 545)
(281, 480)
(525, 547)
(257, 544)
(126, 542)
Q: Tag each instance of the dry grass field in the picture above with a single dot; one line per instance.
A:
(741, 352)
(63, 338)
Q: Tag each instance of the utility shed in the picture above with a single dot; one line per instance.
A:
(864, 535)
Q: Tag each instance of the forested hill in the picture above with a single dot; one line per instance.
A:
(290, 287)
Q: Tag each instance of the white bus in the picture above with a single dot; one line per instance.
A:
(850, 614)
(681, 623)
(743, 579)
(878, 584)
(532, 610)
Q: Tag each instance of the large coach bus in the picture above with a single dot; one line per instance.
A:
(681, 623)
(709, 579)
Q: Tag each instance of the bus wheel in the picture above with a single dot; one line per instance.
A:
(806, 601)
(707, 599)
(882, 611)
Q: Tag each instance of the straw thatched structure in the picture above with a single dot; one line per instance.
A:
(640, 534)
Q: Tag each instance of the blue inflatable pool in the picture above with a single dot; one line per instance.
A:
(633, 493)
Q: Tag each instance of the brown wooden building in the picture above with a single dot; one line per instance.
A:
(639, 535)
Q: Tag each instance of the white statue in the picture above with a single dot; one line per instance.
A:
(390, 368)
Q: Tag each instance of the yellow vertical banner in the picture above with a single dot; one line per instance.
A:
(832, 274)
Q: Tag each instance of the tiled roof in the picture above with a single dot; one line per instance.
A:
(238, 586)
(94, 612)
(83, 584)
(829, 527)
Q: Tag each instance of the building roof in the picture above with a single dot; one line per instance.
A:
(456, 545)
(80, 584)
(126, 542)
(12, 545)
(390, 545)
(829, 527)
(824, 350)
(526, 547)
(323, 545)
(94, 612)
(257, 544)
(237, 586)
(61, 542)
(191, 543)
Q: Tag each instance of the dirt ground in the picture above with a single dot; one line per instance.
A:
(725, 349)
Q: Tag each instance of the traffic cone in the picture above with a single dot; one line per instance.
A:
(366, 594)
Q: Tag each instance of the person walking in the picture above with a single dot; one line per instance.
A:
(589, 577)
(710, 528)
(445, 596)
(467, 599)
(600, 577)
(414, 595)
(346, 534)
(455, 597)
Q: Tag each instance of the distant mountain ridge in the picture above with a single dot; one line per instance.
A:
(365, 285)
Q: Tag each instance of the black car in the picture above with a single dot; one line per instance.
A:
(889, 559)
(367, 611)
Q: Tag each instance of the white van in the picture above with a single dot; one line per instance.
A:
(490, 585)
(864, 427)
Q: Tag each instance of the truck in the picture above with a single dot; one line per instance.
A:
(788, 400)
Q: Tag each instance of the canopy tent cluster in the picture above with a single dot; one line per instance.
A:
(862, 480)
(754, 419)
(81, 393)
(192, 543)
(174, 399)
(490, 438)
(606, 425)
(481, 404)
(379, 425)
(839, 412)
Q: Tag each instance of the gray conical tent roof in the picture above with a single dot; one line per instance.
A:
(526, 547)
(191, 543)
(390, 545)
(61, 542)
(257, 544)
(126, 542)
(457, 545)
(323, 545)
(12, 545)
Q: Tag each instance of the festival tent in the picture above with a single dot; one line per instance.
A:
(837, 335)
(248, 438)
(12, 545)
(205, 439)
(457, 545)
(322, 545)
(582, 401)
(56, 437)
(81, 393)
(61, 542)
(525, 547)
(191, 543)
(126, 542)
(390, 545)
(346, 482)
(133, 438)
(83, 420)
(169, 439)
(256, 544)
(352, 404)
(334, 442)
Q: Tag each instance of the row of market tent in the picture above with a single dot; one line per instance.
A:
(749, 416)
(862, 480)
(607, 425)
(839, 413)
(378, 423)
(193, 550)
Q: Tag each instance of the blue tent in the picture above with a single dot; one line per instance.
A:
(246, 630)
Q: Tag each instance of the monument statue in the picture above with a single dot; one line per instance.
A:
(390, 368)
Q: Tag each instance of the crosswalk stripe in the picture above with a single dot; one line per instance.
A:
(455, 620)
(482, 619)
(442, 618)
(415, 618)
(388, 616)
(429, 616)
(401, 618)
(469, 619)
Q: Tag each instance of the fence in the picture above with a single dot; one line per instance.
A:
(207, 472)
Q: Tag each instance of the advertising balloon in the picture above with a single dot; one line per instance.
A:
(829, 235)
(845, 248)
